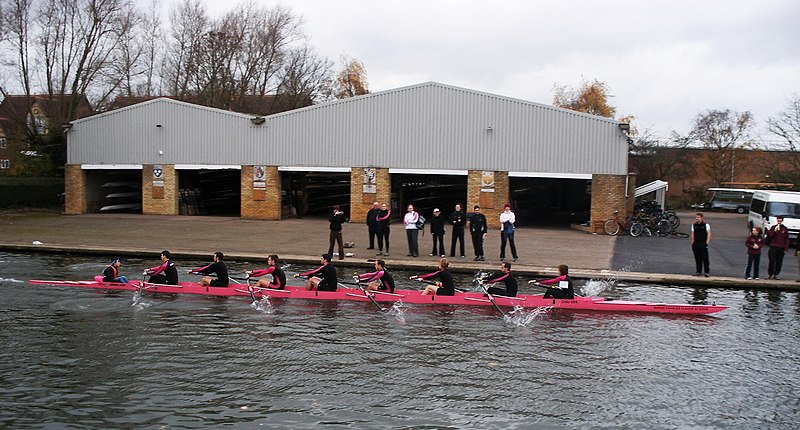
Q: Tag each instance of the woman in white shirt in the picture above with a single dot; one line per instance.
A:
(507, 220)
(412, 233)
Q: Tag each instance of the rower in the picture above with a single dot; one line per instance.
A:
(166, 273)
(563, 285)
(218, 268)
(278, 277)
(380, 279)
(111, 273)
(506, 278)
(445, 287)
(326, 281)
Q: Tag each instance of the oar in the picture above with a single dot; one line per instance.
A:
(250, 289)
(369, 296)
(491, 298)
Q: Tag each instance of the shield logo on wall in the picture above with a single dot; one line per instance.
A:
(157, 172)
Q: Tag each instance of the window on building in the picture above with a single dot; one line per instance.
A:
(3, 142)
(5, 164)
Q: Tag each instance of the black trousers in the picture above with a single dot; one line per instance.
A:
(556, 293)
(700, 251)
(510, 238)
(373, 232)
(458, 235)
(383, 238)
(775, 261)
(477, 244)
(440, 239)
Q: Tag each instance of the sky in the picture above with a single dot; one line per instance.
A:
(664, 62)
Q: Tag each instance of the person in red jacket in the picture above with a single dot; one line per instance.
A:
(778, 241)
(754, 243)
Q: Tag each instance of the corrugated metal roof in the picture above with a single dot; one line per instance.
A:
(425, 126)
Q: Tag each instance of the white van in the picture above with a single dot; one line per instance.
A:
(766, 205)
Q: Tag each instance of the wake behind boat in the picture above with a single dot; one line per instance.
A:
(406, 296)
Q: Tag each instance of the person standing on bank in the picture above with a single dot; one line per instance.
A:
(778, 241)
(797, 254)
(458, 220)
(754, 243)
(700, 233)
(437, 233)
(384, 218)
(507, 220)
(477, 229)
(336, 219)
(372, 224)
(412, 232)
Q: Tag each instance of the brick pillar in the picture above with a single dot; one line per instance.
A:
(261, 202)
(361, 202)
(74, 189)
(491, 203)
(608, 195)
(160, 200)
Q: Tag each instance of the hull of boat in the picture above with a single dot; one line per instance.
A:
(406, 296)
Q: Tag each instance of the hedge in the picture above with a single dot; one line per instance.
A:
(31, 192)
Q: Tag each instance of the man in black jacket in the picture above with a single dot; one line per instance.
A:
(372, 224)
(336, 219)
(458, 220)
(437, 232)
(477, 229)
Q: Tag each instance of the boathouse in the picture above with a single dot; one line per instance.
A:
(430, 144)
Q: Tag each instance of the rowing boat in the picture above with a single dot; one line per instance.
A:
(406, 296)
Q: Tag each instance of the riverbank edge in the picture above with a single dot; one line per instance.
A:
(457, 265)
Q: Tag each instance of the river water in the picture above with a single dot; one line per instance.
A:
(74, 358)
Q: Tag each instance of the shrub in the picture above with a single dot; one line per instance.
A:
(31, 192)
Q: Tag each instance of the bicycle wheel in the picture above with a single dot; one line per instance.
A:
(636, 229)
(611, 226)
(673, 220)
(648, 232)
(680, 235)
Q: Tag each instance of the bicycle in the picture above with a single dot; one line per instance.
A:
(612, 226)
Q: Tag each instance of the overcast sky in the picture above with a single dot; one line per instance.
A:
(664, 62)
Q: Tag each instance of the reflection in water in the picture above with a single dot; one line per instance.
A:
(699, 296)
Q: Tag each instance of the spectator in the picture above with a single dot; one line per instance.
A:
(458, 220)
(373, 225)
(778, 241)
(754, 243)
(477, 229)
(384, 219)
(437, 232)
(700, 233)
(507, 220)
(336, 219)
(412, 232)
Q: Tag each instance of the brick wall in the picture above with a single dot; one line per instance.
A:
(491, 203)
(74, 189)
(165, 200)
(608, 195)
(264, 203)
(360, 202)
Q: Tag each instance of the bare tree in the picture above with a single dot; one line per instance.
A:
(78, 41)
(306, 78)
(653, 159)
(188, 25)
(786, 125)
(351, 80)
(722, 133)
